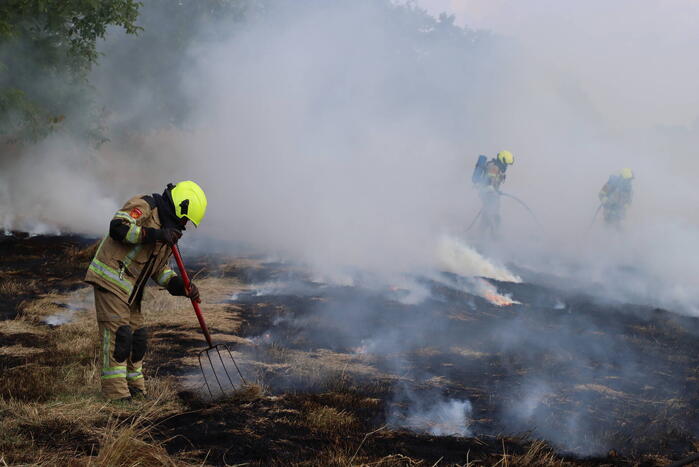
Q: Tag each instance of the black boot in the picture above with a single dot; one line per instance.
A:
(137, 394)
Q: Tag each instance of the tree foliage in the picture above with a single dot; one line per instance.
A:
(47, 48)
(156, 60)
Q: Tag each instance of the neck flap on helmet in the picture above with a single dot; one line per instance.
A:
(166, 209)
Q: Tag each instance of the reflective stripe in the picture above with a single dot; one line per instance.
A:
(136, 374)
(165, 276)
(104, 271)
(125, 216)
(107, 371)
(133, 236)
(100, 247)
(105, 349)
(114, 372)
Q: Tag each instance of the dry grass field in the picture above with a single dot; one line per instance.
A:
(305, 404)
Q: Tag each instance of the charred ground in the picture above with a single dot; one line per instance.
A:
(336, 379)
(626, 374)
(30, 265)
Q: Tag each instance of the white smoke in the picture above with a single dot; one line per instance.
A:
(615, 51)
(456, 257)
(443, 418)
(431, 413)
(344, 153)
(343, 135)
(60, 318)
(55, 186)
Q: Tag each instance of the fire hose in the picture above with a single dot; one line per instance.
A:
(594, 218)
(524, 205)
(473, 222)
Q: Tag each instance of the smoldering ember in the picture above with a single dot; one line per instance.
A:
(439, 233)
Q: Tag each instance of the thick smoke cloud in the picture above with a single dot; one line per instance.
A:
(632, 59)
(357, 147)
(44, 194)
(332, 145)
(343, 135)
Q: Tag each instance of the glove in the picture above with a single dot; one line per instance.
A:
(176, 288)
(167, 235)
(194, 293)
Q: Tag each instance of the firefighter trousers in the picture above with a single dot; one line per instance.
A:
(123, 341)
(490, 213)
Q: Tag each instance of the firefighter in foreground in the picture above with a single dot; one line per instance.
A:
(488, 176)
(137, 247)
(615, 197)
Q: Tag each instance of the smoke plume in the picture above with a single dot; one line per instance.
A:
(343, 135)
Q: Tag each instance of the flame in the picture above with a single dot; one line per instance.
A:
(490, 293)
(498, 300)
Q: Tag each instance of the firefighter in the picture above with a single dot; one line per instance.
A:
(488, 176)
(615, 197)
(137, 248)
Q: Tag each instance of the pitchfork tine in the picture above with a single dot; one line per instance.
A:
(207, 336)
(223, 365)
(203, 373)
(236, 365)
(213, 369)
(225, 347)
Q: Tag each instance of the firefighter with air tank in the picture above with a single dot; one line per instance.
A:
(488, 176)
(137, 248)
(615, 197)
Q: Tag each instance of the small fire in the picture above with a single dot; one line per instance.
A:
(488, 291)
(499, 300)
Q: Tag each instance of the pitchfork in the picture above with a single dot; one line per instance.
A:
(217, 349)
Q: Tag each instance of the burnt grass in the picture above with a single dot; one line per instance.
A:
(601, 383)
(40, 264)
(30, 266)
(617, 378)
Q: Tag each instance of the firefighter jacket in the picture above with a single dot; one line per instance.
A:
(616, 193)
(123, 267)
(495, 174)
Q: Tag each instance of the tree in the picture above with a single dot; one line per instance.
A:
(47, 47)
(159, 57)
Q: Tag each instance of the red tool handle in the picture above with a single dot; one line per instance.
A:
(197, 310)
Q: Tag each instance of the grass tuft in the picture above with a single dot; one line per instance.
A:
(329, 419)
(130, 442)
(11, 288)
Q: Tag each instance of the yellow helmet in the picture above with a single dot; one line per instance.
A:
(506, 157)
(190, 201)
(626, 173)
